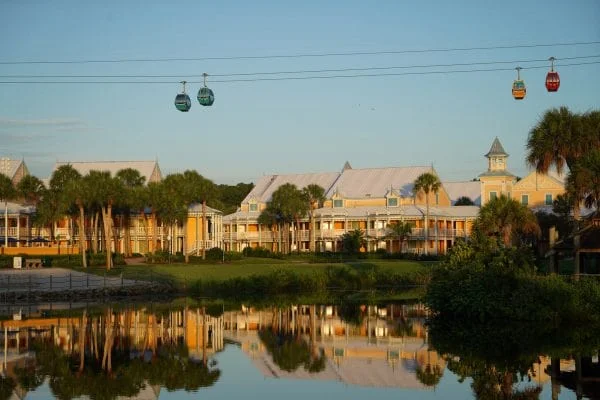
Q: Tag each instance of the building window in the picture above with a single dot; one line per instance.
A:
(493, 195)
(548, 199)
(253, 207)
(392, 202)
(525, 199)
(338, 203)
(437, 198)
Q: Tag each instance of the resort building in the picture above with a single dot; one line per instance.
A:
(369, 199)
(537, 191)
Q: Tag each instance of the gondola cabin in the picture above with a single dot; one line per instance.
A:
(183, 102)
(552, 78)
(206, 97)
(552, 81)
(518, 88)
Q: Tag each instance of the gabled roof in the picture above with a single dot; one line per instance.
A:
(10, 168)
(470, 189)
(197, 208)
(496, 149)
(376, 182)
(148, 169)
(264, 188)
(536, 181)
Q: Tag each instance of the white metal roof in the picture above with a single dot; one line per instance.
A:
(9, 167)
(264, 188)
(146, 168)
(197, 208)
(376, 182)
(470, 189)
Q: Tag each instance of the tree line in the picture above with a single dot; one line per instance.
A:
(93, 200)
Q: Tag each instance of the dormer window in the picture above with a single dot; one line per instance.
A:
(338, 203)
(392, 202)
(253, 207)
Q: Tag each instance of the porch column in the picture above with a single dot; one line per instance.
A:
(196, 241)
(18, 229)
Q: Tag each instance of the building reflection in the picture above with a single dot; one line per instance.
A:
(376, 345)
(108, 337)
(382, 346)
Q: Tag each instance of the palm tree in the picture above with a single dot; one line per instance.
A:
(289, 204)
(427, 183)
(271, 218)
(399, 231)
(171, 206)
(7, 192)
(106, 192)
(562, 138)
(59, 198)
(556, 140)
(353, 241)
(464, 201)
(197, 188)
(506, 219)
(583, 183)
(31, 189)
(132, 180)
(315, 196)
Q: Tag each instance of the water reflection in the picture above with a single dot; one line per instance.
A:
(108, 353)
(382, 346)
(514, 359)
(137, 351)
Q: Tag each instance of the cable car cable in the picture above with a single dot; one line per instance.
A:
(302, 71)
(303, 55)
(307, 77)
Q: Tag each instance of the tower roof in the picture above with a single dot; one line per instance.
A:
(496, 149)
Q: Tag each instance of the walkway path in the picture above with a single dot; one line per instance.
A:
(57, 280)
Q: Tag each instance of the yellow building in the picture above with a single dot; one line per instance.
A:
(201, 230)
(537, 191)
(368, 199)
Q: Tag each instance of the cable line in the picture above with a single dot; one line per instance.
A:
(306, 77)
(301, 71)
(303, 55)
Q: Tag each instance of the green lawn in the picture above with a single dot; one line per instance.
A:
(187, 273)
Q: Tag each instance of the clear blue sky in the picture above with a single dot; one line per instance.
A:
(290, 126)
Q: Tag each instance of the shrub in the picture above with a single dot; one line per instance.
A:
(256, 252)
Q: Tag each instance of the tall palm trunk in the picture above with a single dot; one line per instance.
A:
(82, 334)
(95, 218)
(82, 241)
(107, 222)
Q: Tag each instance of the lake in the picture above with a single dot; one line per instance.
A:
(189, 349)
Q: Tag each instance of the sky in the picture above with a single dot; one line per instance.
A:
(395, 117)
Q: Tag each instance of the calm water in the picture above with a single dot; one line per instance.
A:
(189, 350)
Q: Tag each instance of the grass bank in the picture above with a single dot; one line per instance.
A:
(256, 277)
